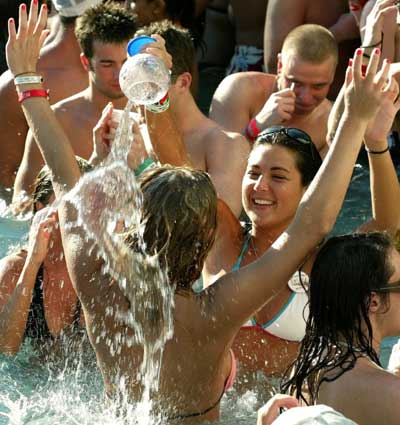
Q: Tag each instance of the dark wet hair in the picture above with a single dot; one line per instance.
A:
(43, 184)
(179, 45)
(107, 22)
(307, 158)
(179, 215)
(346, 271)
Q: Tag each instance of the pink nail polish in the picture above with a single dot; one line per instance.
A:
(23, 6)
(377, 51)
(359, 52)
(35, 2)
(350, 62)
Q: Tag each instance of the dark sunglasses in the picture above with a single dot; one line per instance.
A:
(295, 134)
(392, 287)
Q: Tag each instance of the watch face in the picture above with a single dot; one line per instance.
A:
(299, 282)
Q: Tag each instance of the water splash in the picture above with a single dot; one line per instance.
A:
(106, 200)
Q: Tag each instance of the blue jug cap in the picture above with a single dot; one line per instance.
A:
(135, 45)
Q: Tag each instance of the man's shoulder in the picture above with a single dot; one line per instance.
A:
(247, 82)
(9, 105)
(7, 86)
(249, 78)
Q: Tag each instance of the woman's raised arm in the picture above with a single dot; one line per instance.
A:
(22, 51)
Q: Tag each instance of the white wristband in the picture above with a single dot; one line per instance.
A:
(28, 79)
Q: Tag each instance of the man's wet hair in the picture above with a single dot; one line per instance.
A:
(107, 22)
(311, 43)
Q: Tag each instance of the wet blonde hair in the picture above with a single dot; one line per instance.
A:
(179, 215)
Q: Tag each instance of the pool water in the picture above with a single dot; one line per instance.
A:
(68, 390)
(13, 231)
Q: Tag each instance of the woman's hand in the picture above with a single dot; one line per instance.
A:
(39, 236)
(23, 47)
(103, 134)
(364, 94)
(138, 152)
(269, 412)
(381, 124)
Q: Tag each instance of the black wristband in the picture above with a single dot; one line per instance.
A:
(377, 152)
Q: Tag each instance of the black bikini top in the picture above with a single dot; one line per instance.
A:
(36, 325)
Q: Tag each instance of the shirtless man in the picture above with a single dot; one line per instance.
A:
(282, 17)
(249, 29)
(63, 74)
(249, 102)
(103, 43)
(221, 153)
(216, 50)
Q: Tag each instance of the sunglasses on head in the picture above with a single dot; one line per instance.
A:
(295, 134)
(392, 287)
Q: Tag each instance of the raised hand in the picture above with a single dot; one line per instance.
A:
(383, 13)
(103, 134)
(39, 236)
(277, 109)
(379, 127)
(23, 47)
(364, 94)
(158, 49)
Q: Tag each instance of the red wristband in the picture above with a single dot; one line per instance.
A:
(255, 131)
(33, 93)
(249, 136)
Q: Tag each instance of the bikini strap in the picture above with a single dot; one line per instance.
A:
(247, 237)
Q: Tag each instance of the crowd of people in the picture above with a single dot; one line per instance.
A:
(252, 151)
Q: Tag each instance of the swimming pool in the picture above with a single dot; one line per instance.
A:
(69, 390)
(13, 231)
